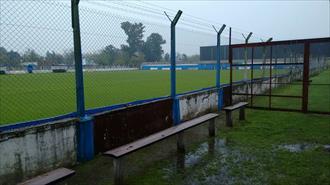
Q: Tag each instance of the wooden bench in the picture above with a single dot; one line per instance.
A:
(241, 106)
(50, 177)
(178, 130)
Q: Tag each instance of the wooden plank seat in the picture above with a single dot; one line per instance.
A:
(118, 153)
(241, 106)
(50, 177)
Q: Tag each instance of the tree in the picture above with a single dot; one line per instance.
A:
(106, 56)
(30, 56)
(14, 59)
(134, 33)
(178, 56)
(111, 52)
(184, 57)
(68, 57)
(9, 59)
(193, 58)
(152, 49)
(122, 58)
(3, 57)
(53, 58)
(136, 60)
(167, 57)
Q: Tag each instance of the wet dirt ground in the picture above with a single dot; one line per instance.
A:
(229, 158)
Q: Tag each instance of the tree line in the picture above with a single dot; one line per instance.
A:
(12, 59)
(135, 52)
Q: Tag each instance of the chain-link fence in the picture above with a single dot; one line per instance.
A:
(125, 55)
(35, 43)
(115, 46)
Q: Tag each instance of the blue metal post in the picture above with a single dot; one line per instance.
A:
(218, 67)
(218, 73)
(176, 108)
(85, 148)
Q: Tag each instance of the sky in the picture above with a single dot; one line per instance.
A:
(278, 19)
(45, 25)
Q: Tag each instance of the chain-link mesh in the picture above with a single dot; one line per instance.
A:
(192, 72)
(319, 74)
(125, 49)
(35, 43)
(116, 47)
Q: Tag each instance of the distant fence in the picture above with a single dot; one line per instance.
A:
(309, 58)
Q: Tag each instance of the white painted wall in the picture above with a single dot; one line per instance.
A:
(28, 152)
(195, 104)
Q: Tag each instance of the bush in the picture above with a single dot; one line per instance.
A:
(2, 72)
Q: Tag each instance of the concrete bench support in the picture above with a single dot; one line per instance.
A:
(229, 119)
(242, 113)
(180, 142)
(212, 128)
(229, 109)
(118, 168)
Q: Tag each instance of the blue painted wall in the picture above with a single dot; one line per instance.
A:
(207, 66)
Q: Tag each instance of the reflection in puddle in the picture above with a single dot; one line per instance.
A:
(303, 147)
(296, 147)
(326, 148)
(216, 162)
(210, 147)
(213, 161)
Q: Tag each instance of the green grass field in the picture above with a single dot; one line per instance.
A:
(27, 97)
(319, 95)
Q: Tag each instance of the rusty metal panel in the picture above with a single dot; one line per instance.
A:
(119, 127)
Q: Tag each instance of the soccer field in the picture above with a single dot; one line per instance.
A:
(33, 96)
(26, 97)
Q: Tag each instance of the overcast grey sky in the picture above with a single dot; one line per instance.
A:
(279, 19)
(45, 25)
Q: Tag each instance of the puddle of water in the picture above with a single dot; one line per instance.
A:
(210, 147)
(326, 148)
(303, 147)
(296, 147)
(212, 163)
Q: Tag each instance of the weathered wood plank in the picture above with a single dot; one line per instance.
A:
(235, 106)
(141, 143)
(50, 177)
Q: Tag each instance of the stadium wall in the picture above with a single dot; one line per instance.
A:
(30, 151)
(198, 103)
(211, 66)
(203, 66)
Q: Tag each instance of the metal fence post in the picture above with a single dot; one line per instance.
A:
(245, 64)
(218, 77)
(176, 107)
(305, 77)
(85, 139)
(230, 61)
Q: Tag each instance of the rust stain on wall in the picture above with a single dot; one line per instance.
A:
(119, 127)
